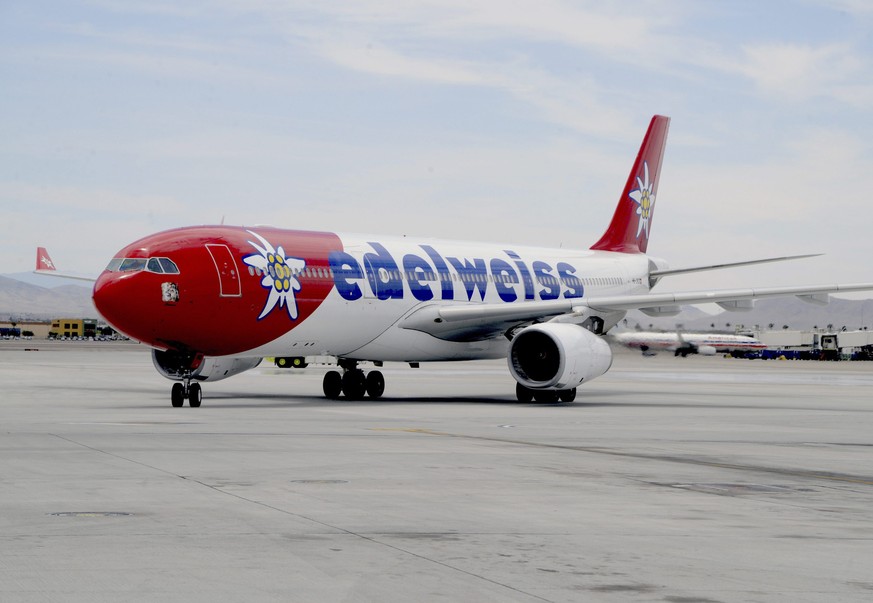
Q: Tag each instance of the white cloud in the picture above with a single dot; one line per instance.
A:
(376, 59)
(798, 71)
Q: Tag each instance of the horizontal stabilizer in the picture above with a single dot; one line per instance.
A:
(654, 275)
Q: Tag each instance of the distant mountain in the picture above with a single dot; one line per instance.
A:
(25, 301)
(790, 311)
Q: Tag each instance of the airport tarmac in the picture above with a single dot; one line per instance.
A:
(669, 479)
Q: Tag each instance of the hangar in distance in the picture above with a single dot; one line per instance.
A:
(363, 297)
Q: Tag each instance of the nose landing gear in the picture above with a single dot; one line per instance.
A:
(353, 383)
(186, 391)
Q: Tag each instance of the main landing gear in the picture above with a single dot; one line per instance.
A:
(186, 391)
(548, 396)
(353, 383)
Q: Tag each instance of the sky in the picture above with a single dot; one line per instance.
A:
(488, 120)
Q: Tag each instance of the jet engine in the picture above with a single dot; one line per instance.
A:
(557, 356)
(178, 365)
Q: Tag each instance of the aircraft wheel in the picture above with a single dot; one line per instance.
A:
(282, 362)
(567, 395)
(332, 385)
(195, 395)
(177, 395)
(354, 384)
(375, 384)
(299, 362)
(546, 396)
(524, 394)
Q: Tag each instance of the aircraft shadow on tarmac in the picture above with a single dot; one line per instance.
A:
(599, 399)
(237, 400)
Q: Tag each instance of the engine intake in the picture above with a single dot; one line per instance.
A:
(177, 365)
(557, 356)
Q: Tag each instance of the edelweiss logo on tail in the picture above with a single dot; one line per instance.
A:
(279, 275)
(644, 197)
(637, 200)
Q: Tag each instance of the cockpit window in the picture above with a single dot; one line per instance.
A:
(154, 266)
(169, 266)
(157, 265)
(132, 264)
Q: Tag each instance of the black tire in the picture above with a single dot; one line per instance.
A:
(299, 362)
(524, 394)
(282, 362)
(332, 385)
(546, 396)
(177, 395)
(354, 384)
(195, 395)
(375, 384)
(567, 395)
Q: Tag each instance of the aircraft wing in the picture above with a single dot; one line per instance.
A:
(475, 321)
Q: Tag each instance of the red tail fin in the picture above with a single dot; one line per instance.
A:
(43, 260)
(632, 221)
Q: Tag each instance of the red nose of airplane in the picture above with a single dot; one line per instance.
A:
(192, 290)
(130, 301)
(136, 291)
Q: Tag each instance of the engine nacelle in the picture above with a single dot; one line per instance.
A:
(557, 356)
(177, 365)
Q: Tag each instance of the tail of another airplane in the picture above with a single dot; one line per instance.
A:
(632, 221)
(45, 265)
(43, 260)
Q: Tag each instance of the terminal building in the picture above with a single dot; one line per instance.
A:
(73, 327)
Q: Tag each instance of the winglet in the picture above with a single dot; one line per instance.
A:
(44, 260)
(632, 221)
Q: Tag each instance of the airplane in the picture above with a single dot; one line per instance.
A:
(683, 344)
(212, 301)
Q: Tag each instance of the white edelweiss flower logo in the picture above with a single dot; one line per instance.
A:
(644, 197)
(279, 275)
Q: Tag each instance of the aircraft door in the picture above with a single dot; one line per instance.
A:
(228, 273)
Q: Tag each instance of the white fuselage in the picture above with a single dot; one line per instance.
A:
(380, 280)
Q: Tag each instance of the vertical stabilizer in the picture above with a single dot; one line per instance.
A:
(632, 221)
(43, 260)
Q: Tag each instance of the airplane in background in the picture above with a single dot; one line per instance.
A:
(212, 301)
(683, 344)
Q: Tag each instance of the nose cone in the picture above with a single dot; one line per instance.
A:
(112, 303)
